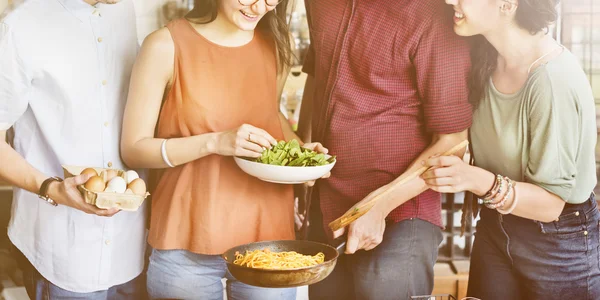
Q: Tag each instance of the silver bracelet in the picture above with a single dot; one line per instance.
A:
(163, 151)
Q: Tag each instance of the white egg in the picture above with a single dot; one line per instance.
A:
(117, 185)
(131, 175)
(110, 189)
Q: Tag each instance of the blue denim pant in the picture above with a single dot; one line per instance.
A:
(400, 267)
(38, 288)
(516, 258)
(180, 274)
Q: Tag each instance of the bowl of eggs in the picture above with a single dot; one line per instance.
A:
(110, 188)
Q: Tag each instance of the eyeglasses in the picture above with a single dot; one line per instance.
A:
(252, 2)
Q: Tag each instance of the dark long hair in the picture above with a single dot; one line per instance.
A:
(532, 15)
(273, 24)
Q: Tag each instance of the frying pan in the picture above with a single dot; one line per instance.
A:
(286, 278)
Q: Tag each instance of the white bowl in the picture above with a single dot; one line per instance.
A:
(283, 174)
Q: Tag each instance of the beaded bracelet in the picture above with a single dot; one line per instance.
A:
(491, 194)
(505, 198)
(512, 205)
(498, 192)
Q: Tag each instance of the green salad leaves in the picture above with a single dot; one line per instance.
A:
(291, 154)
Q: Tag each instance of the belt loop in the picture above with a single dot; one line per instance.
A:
(541, 226)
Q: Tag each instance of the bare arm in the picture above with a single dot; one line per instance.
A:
(16, 170)
(451, 176)
(19, 173)
(367, 231)
(152, 74)
(534, 203)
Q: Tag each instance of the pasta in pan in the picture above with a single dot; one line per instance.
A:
(266, 259)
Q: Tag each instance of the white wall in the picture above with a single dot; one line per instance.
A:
(149, 16)
(3, 5)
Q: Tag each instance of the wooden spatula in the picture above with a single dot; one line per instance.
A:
(357, 212)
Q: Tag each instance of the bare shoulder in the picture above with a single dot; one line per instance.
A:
(157, 56)
(159, 42)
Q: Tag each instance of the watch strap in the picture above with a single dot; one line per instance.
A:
(43, 193)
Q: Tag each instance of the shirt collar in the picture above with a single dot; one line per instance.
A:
(78, 8)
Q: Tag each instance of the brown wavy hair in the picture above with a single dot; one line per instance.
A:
(273, 24)
(532, 15)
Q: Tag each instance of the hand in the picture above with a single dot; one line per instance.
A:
(366, 232)
(450, 174)
(245, 141)
(66, 193)
(298, 217)
(320, 149)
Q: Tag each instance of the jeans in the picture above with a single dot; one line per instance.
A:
(517, 258)
(400, 267)
(39, 288)
(180, 274)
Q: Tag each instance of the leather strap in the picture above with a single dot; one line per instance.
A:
(43, 194)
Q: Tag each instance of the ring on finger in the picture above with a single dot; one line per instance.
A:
(250, 137)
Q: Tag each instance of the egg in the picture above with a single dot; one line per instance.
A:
(90, 171)
(117, 184)
(138, 187)
(95, 184)
(130, 176)
(109, 174)
(110, 189)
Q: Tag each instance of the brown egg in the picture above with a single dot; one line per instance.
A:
(109, 174)
(95, 184)
(138, 187)
(90, 171)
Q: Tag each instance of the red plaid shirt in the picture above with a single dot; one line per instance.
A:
(388, 75)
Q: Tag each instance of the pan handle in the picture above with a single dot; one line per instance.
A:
(340, 244)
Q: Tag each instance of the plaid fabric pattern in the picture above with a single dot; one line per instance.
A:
(388, 75)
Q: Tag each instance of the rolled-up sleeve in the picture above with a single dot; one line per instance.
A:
(14, 80)
(442, 64)
(554, 128)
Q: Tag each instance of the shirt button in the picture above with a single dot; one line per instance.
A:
(104, 82)
(105, 124)
(585, 233)
(109, 164)
(99, 40)
(107, 242)
(577, 214)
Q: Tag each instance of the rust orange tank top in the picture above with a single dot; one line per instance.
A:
(209, 205)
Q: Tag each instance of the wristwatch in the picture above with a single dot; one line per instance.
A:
(43, 194)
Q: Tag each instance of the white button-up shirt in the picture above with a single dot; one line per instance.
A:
(64, 77)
